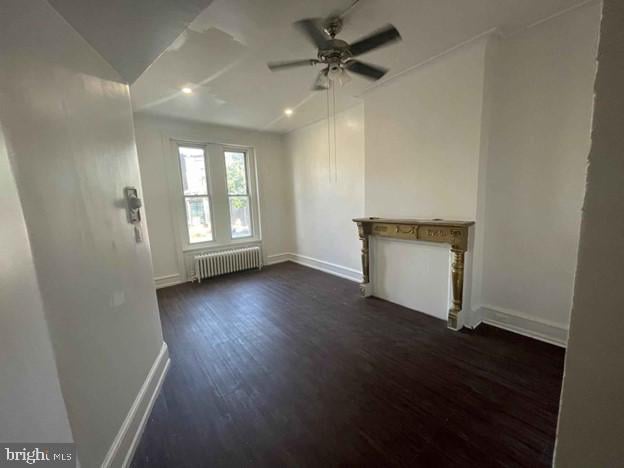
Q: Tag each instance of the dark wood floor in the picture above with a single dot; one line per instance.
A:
(291, 367)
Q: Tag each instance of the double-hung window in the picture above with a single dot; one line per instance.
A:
(238, 194)
(196, 196)
(220, 204)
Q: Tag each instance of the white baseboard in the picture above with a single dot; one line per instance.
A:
(523, 324)
(328, 267)
(510, 320)
(126, 441)
(277, 258)
(168, 280)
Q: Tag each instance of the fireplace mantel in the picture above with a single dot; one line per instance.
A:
(440, 231)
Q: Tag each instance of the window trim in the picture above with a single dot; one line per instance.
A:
(174, 179)
(187, 235)
(248, 194)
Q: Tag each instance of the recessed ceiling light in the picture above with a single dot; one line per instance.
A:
(187, 90)
(288, 112)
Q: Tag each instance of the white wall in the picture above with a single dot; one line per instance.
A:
(67, 121)
(423, 139)
(539, 142)
(497, 132)
(423, 144)
(31, 404)
(154, 135)
(328, 192)
(591, 421)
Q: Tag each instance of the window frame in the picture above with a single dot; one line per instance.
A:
(188, 243)
(250, 200)
(216, 180)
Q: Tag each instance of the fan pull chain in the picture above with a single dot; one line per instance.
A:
(335, 145)
(328, 137)
(331, 124)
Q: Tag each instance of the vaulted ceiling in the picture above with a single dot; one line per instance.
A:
(222, 55)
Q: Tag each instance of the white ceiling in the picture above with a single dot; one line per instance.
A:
(223, 54)
(129, 34)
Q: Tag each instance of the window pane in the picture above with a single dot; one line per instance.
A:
(193, 169)
(240, 217)
(236, 173)
(198, 219)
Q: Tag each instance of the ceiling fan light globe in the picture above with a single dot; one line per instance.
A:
(334, 72)
(324, 80)
(344, 78)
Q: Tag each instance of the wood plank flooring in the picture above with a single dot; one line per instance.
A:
(289, 366)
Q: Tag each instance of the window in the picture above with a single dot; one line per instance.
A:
(217, 195)
(196, 198)
(238, 194)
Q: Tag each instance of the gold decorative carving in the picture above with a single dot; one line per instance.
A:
(365, 259)
(454, 233)
(363, 232)
(406, 229)
(457, 281)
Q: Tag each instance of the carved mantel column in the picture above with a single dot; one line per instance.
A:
(457, 282)
(453, 233)
(365, 285)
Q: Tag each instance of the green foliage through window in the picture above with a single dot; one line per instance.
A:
(236, 173)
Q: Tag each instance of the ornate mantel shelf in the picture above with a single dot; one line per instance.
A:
(453, 233)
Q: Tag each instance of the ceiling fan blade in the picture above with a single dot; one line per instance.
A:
(372, 72)
(345, 12)
(312, 29)
(322, 82)
(274, 66)
(379, 38)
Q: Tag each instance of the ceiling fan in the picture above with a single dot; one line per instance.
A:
(338, 55)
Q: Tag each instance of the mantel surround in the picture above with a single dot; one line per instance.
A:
(440, 231)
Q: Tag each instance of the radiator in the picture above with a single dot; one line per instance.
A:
(212, 264)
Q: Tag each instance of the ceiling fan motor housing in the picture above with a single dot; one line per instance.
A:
(334, 52)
